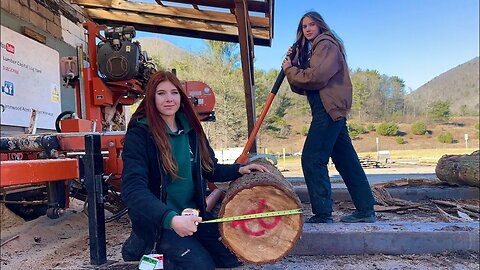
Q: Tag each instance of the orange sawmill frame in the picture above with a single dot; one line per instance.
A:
(36, 171)
(98, 94)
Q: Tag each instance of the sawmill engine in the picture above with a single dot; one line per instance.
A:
(121, 59)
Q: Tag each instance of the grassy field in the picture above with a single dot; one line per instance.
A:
(415, 156)
(422, 155)
(417, 148)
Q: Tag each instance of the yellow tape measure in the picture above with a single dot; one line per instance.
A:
(259, 215)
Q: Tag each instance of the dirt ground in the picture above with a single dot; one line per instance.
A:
(63, 243)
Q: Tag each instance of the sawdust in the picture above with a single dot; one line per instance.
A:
(8, 218)
(61, 243)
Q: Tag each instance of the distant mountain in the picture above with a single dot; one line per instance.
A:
(460, 85)
(162, 51)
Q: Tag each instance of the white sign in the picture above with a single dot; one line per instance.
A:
(228, 155)
(30, 79)
(466, 137)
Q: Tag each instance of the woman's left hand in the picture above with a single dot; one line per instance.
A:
(286, 63)
(252, 167)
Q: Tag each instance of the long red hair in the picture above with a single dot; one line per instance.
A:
(148, 109)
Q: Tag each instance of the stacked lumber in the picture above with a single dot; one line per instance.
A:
(368, 162)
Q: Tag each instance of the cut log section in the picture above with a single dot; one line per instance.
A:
(459, 169)
(261, 240)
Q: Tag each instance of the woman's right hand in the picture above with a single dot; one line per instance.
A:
(287, 62)
(185, 225)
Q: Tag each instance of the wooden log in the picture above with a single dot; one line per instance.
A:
(262, 240)
(459, 169)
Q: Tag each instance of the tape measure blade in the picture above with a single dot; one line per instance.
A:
(259, 215)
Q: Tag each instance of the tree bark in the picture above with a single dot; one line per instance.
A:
(459, 169)
(261, 240)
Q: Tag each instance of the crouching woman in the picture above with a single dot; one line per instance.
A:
(166, 159)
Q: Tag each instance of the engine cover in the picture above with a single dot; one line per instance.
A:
(118, 65)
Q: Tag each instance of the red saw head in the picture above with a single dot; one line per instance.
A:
(203, 99)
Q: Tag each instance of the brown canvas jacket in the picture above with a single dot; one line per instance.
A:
(327, 73)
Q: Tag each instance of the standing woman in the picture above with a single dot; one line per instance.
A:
(319, 71)
(165, 158)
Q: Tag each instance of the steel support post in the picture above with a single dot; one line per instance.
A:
(93, 164)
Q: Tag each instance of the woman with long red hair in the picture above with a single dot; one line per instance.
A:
(166, 159)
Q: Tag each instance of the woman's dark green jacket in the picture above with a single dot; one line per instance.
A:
(145, 181)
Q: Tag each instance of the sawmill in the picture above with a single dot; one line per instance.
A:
(73, 69)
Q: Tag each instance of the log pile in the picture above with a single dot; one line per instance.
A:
(459, 169)
(368, 162)
(261, 240)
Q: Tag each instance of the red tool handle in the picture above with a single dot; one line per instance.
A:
(243, 158)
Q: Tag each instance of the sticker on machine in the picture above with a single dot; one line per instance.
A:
(55, 93)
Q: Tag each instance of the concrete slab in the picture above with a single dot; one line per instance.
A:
(337, 181)
(405, 193)
(387, 238)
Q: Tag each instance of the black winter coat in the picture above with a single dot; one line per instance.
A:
(145, 181)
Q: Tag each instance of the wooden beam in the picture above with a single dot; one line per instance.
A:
(270, 18)
(180, 12)
(246, 52)
(256, 6)
(250, 40)
(177, 26)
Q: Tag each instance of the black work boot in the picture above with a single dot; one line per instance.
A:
(134, 248)
(360, 216)
(319, 219)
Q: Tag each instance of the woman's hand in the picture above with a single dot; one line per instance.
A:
(295, 59)
(252, 167)
(185, 225)
(287, 62)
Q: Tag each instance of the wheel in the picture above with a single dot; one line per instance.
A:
(55, 212)
(60, 117)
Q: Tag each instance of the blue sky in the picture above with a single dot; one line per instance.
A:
(415, 40)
